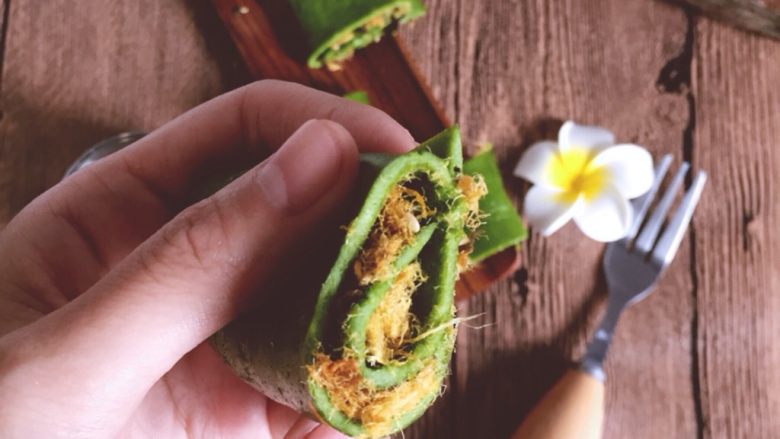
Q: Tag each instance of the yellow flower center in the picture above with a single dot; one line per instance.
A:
(573, 172)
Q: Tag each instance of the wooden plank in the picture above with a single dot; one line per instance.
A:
(71, 79)
(737, 245)
(510, 72)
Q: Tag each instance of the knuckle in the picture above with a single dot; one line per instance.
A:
(200, 236)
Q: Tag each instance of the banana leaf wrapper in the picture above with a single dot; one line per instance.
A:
(501, 226)
(337, 354)
(336, 28)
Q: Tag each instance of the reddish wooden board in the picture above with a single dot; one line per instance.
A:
(270, 42)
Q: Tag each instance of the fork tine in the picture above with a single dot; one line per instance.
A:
(642, 204)
(650, 231)
(670, 240)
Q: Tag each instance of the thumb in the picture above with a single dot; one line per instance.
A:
(190, 278)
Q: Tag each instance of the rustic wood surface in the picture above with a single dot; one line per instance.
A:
(698, 359)
(736, 268)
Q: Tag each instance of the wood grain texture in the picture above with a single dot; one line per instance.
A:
(510, 73)
(697, 359)
(737, 244)
(71, 79)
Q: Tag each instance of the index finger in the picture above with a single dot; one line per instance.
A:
(246, 125)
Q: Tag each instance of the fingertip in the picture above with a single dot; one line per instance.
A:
(406, 141)
(388, 135)
(409, 142)
(317, 162)
(275, 109)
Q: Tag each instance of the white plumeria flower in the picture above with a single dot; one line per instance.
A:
(584, 176)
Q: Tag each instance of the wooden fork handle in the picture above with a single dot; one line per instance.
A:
(572, 409)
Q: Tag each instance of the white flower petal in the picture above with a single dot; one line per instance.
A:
(546, 211)
(605, 218)
(583, 136)
(534, 162)
(630, 168)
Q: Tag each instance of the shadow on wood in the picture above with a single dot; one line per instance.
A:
(51, 135)
(219, 45)
(541, 128)
(499, 396)
(287, 28)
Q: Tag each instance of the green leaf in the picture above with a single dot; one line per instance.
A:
(502, 226)
(358, 96)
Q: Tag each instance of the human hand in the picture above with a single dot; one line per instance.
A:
(109, 283)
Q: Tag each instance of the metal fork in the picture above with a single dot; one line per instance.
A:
(573, 408)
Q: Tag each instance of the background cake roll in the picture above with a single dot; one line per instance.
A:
(336, 28)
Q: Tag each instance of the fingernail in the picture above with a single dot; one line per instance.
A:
(306, 166)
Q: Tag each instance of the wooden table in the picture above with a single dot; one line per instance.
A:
(698, 359)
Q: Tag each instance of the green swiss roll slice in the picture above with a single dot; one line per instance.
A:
(366, 351)
(336, 28)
